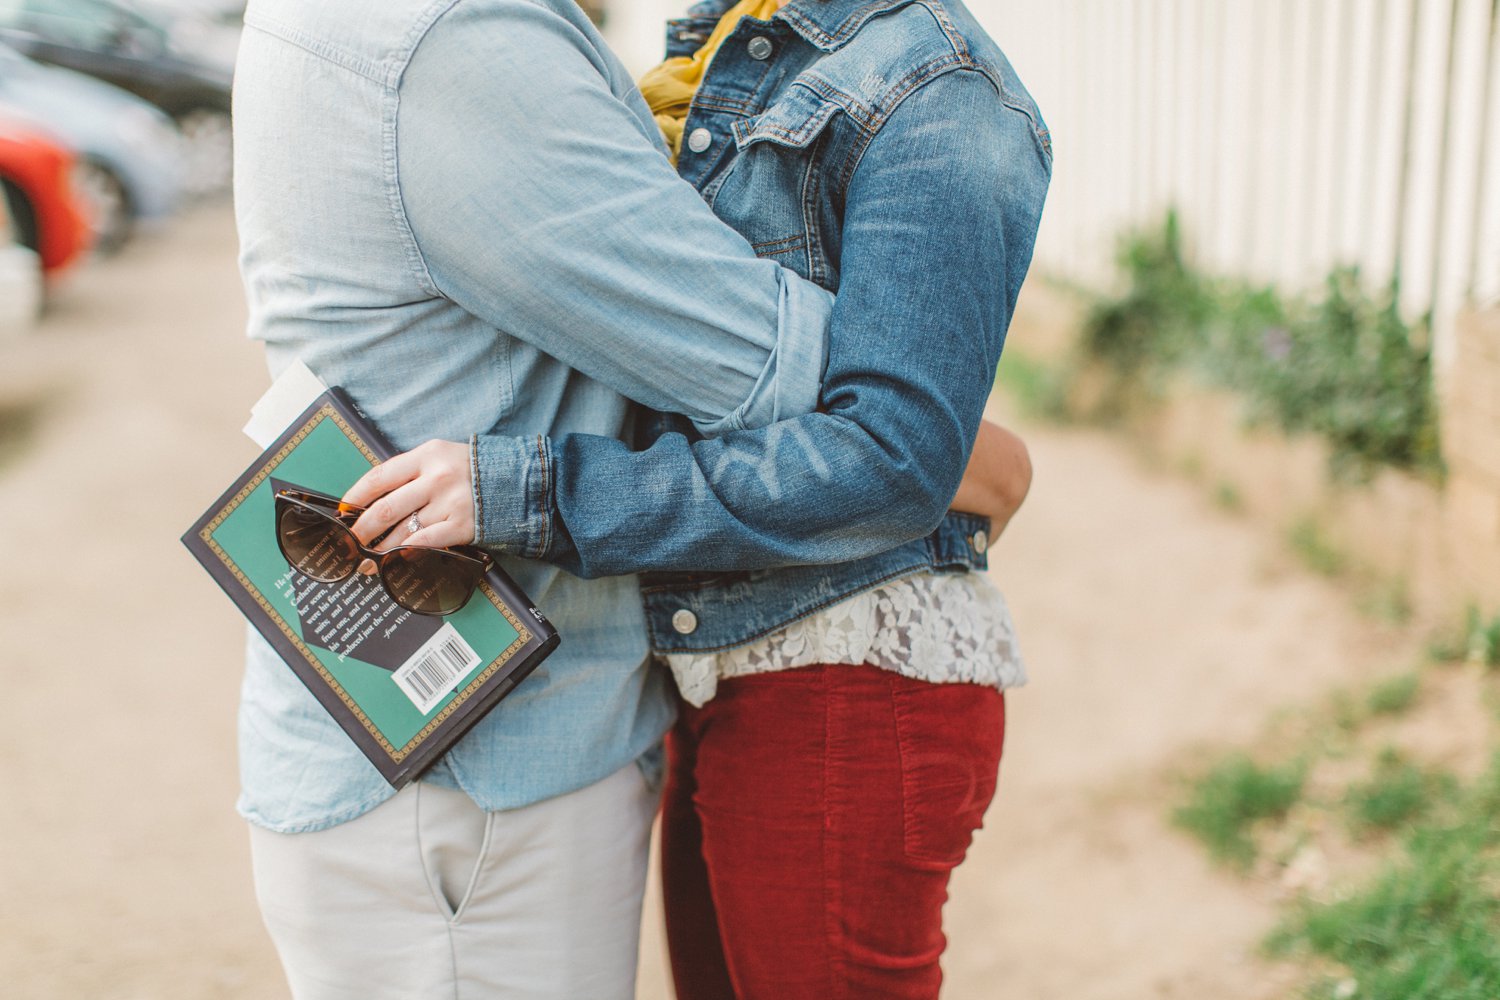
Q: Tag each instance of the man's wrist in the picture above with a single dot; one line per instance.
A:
(512, 480)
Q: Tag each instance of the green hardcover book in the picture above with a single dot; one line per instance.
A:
(404, 686)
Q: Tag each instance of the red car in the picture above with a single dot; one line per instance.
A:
(36, 175)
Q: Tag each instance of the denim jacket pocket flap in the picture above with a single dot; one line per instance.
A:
(794, 121)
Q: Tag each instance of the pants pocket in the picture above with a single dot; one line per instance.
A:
(950, 738)
(453, 836)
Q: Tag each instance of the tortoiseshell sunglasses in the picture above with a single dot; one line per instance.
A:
(313, 533)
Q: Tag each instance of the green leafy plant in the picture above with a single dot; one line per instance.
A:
(1427, 926)
(1394, 695)
(1150, 327)
(1484, 639)
(1227, 496)
(1347, 367)
(1397, 793)
(1343, 365)
(1038, 388)
(1477, 640)
(1226, 802)
(1312, 546)
(1387, 599)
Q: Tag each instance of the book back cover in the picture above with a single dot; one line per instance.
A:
(404, 686)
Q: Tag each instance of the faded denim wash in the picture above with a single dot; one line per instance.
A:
(461, 212)
(887, 151)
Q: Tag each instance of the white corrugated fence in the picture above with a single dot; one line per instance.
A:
(1291, 135)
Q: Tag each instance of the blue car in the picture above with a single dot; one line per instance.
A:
(129, 152)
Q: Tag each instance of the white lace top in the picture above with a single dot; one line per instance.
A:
(944, 628)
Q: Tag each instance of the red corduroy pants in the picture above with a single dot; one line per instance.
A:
(811, 820)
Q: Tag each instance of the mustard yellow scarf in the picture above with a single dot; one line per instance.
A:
(669, 88)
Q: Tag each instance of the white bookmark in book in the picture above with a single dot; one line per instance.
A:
(293, 391)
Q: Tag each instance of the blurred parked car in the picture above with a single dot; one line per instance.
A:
(130, 155)
(20, 277)
(182, 64)
(230, 12)
(45, 208)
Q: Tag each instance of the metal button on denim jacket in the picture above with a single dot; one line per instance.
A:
(887, 151)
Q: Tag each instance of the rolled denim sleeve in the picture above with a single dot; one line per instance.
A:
(940, 224)
(517, 506)
(538, 198)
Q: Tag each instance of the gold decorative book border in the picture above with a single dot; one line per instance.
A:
(397, 754)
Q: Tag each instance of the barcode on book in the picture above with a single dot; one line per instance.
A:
(436, 669)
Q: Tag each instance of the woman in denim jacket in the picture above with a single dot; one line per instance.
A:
(841, 661)
(826, 777)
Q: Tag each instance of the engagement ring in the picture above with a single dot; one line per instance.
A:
(413, 525)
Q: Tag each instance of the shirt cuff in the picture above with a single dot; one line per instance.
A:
(792, 381)
(513, 505)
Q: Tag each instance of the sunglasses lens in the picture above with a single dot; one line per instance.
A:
(315, 546)
(429, 581)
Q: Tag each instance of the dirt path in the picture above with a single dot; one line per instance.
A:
(1153, 625)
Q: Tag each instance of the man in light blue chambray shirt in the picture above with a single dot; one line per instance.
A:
(535, 290)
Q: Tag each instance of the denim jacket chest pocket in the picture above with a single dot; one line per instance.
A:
(783, 188)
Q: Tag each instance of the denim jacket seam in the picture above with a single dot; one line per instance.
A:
(416, 260)
(424, 22)
(854, 24)
(831, 40)
(920, 77)
(817, 264)
(933, 558)
(1039, 130)
(946, 26)
(505, 345)
(720, 102)
(826, 90)
(909, 569)
(800, 135)
(474, 482)
(335, 55)
(391, 145)
(913, 82)
(871, 117)
(779, 246)
(544, 507)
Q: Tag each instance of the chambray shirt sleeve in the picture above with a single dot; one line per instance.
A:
(940, 222)
(541, 202)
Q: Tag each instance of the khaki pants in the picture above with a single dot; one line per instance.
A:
(428, 896)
